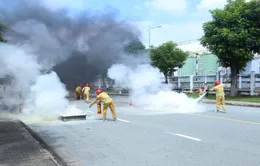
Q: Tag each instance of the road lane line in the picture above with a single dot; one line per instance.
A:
(184, 136)
(192, 138)
(228, 119)
(122, 120)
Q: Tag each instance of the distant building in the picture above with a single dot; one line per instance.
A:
(206, 64)
(201, 64)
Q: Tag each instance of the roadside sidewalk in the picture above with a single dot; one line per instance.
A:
(19, 148)
(54, 145)
(236, 103)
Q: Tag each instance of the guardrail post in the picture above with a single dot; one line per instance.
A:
(240, 82)
(217, 76)
(221, 78)
(252, 83)
(179, 81)
(191, 83)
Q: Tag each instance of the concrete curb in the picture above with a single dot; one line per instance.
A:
(244, 104)
(58, 158)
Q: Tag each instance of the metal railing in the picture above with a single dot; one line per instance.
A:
(246, 82)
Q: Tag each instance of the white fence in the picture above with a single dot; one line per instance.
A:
(249, 83)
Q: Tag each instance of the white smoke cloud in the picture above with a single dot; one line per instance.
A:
(19, 62)
(41, 94)
(49, 96)
(148, 91)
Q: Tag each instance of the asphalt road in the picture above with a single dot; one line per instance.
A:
(159, 138)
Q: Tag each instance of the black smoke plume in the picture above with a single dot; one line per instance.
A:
(78, 48)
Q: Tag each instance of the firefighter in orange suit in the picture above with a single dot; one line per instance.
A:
(107, 102)
(78, 92)
(201, 91)
(220, 95)
(86, 90)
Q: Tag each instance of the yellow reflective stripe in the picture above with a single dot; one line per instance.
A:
(219, 93)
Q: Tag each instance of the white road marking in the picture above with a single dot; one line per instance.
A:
(184, 136)
(122, 120)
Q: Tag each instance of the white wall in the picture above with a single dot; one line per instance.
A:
(253, 65)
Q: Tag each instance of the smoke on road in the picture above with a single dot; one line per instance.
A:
(148, 91)
(40, 93)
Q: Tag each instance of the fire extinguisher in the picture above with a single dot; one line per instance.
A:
(99, 107)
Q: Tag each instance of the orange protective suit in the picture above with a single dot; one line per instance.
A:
(86, 90)
(78, 92)
(201, 91)
(220, 96)
(107, 102)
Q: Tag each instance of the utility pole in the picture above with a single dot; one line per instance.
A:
(149, 44)
(149, 39)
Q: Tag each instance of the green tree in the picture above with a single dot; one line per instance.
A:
(251, 14)
(233, 36)
(134, 47)
(167, 57)
(2, 29)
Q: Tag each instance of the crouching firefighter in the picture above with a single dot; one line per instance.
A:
(78, 92)
(107, 101)
(220, 95)
(201, 91)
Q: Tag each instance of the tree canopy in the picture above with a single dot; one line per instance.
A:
(134, 47)
(167, 57)
(233, 35)
(2, 29)
(251, 14)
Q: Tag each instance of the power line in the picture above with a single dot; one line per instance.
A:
(187, 41)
